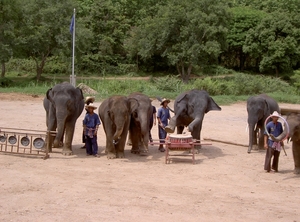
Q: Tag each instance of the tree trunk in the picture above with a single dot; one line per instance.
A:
(3, 70)
(39, 68)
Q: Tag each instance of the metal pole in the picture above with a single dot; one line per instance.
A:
(73, 79)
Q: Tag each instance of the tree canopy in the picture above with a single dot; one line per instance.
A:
(172, 36)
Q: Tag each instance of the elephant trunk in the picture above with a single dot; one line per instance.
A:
(145, 136)
(252, 130)
(117, 135)
(170, 128)
(60, 131)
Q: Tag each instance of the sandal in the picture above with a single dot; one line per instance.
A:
(161, 149)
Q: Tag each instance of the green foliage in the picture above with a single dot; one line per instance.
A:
(276, 40)
(9, 19)
(44, 29)
(187, 33)
(21, 66)
(5, 82)
(168, 83)
(226, 89)
(296, 79)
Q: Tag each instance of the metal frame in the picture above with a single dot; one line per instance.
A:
(30, 149)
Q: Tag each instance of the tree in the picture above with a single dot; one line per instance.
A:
(275, 42)
(244, 19)
(9, 18)
(187, 33)
(45, 30)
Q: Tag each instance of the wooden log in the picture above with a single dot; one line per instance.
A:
(227, 142)
(285, 111)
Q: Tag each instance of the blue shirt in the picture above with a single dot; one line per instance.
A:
(91, 121)
(275, 129)
(163, 114)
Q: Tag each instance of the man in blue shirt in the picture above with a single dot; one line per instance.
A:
(91, 124)
(163, 115)
(273, 148)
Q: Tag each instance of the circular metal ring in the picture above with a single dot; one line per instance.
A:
(3, 138)
(12, 139)
(25, 141)
(38, 143)
(286, 125)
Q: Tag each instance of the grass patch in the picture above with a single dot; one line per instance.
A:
(225, 90)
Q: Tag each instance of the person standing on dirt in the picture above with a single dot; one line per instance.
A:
(163, 115)
(152, 122)
(88, 100)
(91, 124)
(273, 148)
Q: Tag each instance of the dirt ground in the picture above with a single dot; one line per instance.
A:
(225, 184)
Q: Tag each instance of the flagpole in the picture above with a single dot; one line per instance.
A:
(73, 79)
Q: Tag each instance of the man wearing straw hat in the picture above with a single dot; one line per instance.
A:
(273, 148)
(163, 115)
(91, 124)
(88, 100)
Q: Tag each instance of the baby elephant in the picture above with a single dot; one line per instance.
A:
(115, 113)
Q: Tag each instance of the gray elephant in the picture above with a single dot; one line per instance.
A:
(258, 109)
(115, 114)
(189, 108)
(63, 104)
(293, 121)
(139, 123)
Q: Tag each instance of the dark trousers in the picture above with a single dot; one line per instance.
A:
(83, 137)
(91, 145)
(162, 134)
(269, 153)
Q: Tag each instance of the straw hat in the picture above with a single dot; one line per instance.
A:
(164, 100)
(275, 114)
(89, 99)
(90, 105)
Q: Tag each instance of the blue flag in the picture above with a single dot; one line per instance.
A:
(72, 25)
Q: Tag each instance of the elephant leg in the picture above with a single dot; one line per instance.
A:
(180, 129)
(67, 148)
(135, 139)
(129, 142)
(296, 156)
(260, 139)
(121, 145)
(110, 149)
(196, 135)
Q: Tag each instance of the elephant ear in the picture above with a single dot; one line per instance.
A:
(133, 104)
(49, 95)
(80, 90)
(212, 105)
(182, 96)
(267, 110)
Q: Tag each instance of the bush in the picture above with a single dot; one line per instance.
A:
(168, 83)
(5, 82)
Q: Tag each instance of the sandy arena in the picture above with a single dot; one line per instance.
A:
(225, 184)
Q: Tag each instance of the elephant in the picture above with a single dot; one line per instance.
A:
(293, 120)
(189, 108)
(115, 114)
(139, 123)
(63, 104)
(259, 108)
